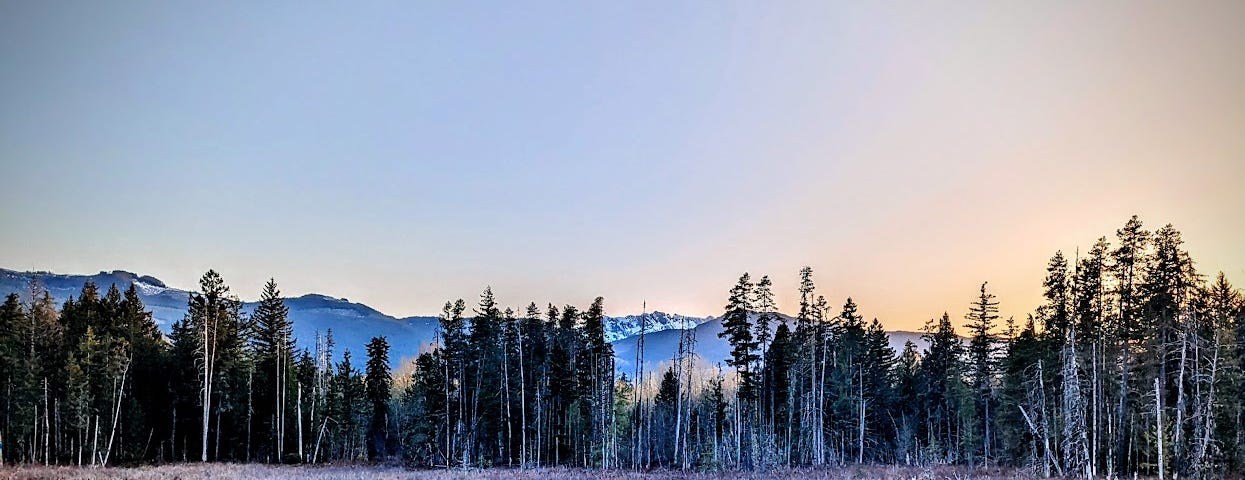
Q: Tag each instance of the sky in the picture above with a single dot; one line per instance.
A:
(401, 154)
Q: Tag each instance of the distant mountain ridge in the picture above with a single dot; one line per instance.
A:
(353, 324)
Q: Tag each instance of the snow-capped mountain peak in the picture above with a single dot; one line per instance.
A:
(618, 328)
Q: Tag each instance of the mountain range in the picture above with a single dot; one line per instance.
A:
(353, 324)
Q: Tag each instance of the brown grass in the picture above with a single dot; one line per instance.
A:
(254, 471)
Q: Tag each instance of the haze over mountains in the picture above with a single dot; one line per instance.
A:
(353, 324)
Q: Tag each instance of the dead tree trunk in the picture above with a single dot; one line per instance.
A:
(1158, 424)
(1075, 450)
(299, 407)
(118, 390)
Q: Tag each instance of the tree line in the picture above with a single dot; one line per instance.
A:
(1134, 363)
(97, 383)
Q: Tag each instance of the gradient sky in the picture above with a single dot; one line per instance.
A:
(401, 154)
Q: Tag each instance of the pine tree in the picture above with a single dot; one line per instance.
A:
(531, 343)
(215, 316)
(484, 369)
(907, 397)
(940, 389)
(424, 413)
(509, 355)
(12, 318)
(803, 397)
(349, 404)
(274, 345)
(600, 368)
(779, 359)
(1128, 259)
(1090, 311)
(982, 361)
(148, 398)
(806, 294)
(79, 314)
(878, 380)
(454, 350)
(766, 316)
(738, 332)
(1168, 289)
(665, 417)
(1056, 312)
(767, 312)
(1223, 307)
(846, 365)
(184, 384)
(1025, 377)
(1089, 293)
(40, 381)
(78, 413)
(108, 373)
(379, 383)
(565, 385)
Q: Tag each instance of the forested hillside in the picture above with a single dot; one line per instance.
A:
(311, 314)
(1135, 363)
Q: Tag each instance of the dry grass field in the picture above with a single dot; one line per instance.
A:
(251, 471)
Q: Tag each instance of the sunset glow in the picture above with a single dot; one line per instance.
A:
(405, 154)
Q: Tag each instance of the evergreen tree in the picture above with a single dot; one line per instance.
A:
(216, 318)
(148, 401)
(1224, 308)
(982, 361)
(738, 331)
(454, 370)
(1020, 435)
(40, 381)
(665, 420)
(806, 294)
(349, 405)
(767, 312)
(184, 384)
(12, 318)
(1091, 312)
(305, 402)
(877, 405)
(941, 389)
(846, 367)
(599, 365)
(778, 387)
(1127, 270)
(424, 408)
(907, 397)
(274, 347)
(484, 368)
(379, 383)
(1056, 312)
(1090, 302)
(79, 314)
(533, 353)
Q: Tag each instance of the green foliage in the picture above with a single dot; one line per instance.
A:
(273, 392)
(738, 331)
(379, 384)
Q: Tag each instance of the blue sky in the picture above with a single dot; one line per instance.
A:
(405, 153)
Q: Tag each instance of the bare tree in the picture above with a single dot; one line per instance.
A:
(1075, 443)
